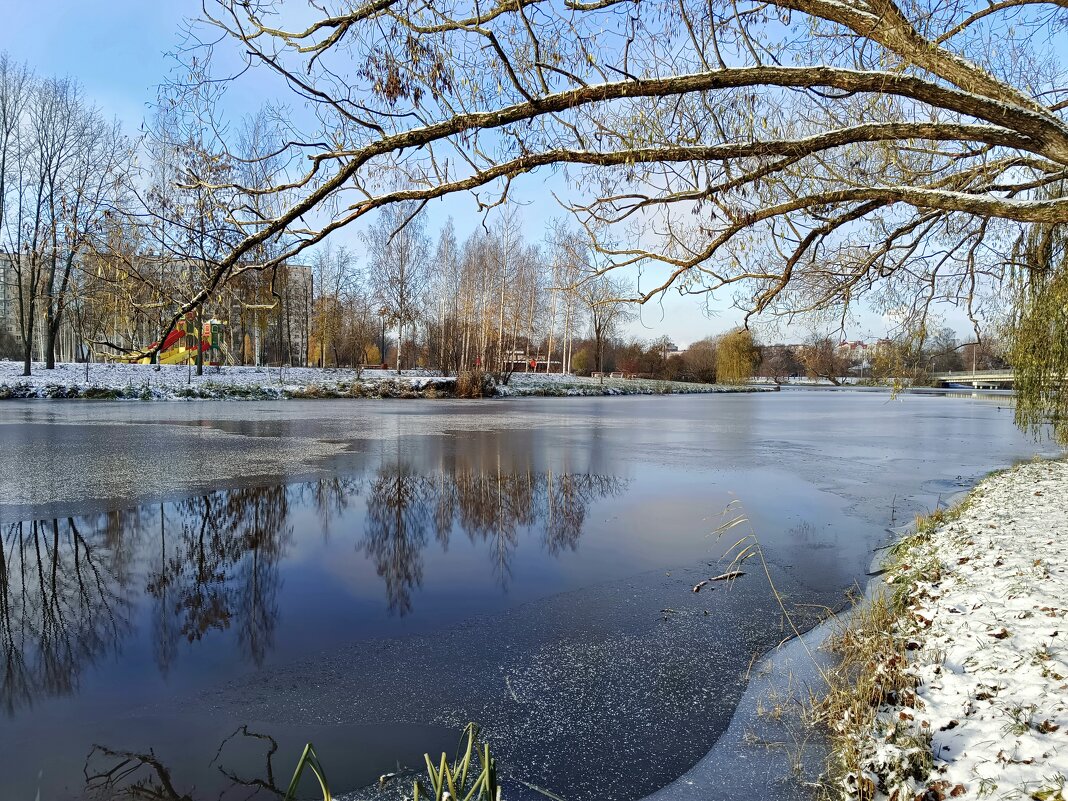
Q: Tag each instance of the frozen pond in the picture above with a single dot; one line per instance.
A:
(373, 575)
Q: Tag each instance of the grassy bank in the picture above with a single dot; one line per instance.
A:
(176, 382)
(952, 680)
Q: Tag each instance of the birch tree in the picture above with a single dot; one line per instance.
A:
(62, 169)
(446, 294)
(604, 299)
(793, 155)
(333, 271)
(398, 253)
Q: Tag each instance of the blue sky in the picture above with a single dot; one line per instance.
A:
(117, 50)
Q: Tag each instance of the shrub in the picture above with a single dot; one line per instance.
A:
(475, 384)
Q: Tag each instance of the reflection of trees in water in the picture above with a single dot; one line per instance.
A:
(111, 774)
(492, 508)
(258, 520)
(63, 605)
(330, 497)
(212, 563)
(221, 570)
(569, 496)
(67, 585)
(806, 533)
(399, 509)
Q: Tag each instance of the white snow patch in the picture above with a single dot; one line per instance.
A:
(573, 385)
(990, 629)
(175, 382)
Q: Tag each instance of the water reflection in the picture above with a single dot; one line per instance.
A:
(112, 773)
(221, 571)
(247, 764)
(64, 603)
(405, 508)
(212, 565)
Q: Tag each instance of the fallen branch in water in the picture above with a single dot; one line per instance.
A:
(733, 574)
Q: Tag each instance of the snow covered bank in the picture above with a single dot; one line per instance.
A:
(540, 384)
(974, 688)
(175, 382)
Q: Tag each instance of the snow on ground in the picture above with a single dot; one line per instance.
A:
(171, 382)
(805, 381)
(557, 384)
(989, 640)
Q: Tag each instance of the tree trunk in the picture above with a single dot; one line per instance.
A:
(288, 355)
(200, 341)
(256, 338)
(552, 328)
(50, 344)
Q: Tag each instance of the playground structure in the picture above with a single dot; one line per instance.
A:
(180, 345)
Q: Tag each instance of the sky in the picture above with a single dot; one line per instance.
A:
(117, 50)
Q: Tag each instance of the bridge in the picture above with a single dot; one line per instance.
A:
(977, 379)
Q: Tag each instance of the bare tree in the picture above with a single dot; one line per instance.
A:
(398, 253)
(95, 189)
(62, 173)
(186, 216)
(263, 162)
(888, 125)
(821, 359)
(700, 359)
(359, 325)
(569, 260)
(779, 362)
(15, 89)
(333, 271)
(446, 291)
(43, 149)
(604, 299)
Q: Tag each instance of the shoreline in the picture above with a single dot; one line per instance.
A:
(114, 381)
(953, 674)
(768, 734)
(736, 744)
(774, 712)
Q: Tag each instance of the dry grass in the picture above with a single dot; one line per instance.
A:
(872, 671)
(474, 384)
(873, 644)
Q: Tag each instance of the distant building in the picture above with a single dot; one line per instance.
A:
(295, 288)
(855, 352)
(9, 313)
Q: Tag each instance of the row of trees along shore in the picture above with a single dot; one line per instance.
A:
(104, 236)
(737, 356)
(97, 262)
(799, 156)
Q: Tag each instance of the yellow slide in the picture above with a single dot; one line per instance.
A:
(177, 355)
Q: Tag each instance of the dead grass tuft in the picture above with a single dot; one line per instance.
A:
(873, 752)
(475, 384)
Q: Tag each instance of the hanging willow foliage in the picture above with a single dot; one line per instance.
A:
(1038, 334)
(736, 357)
